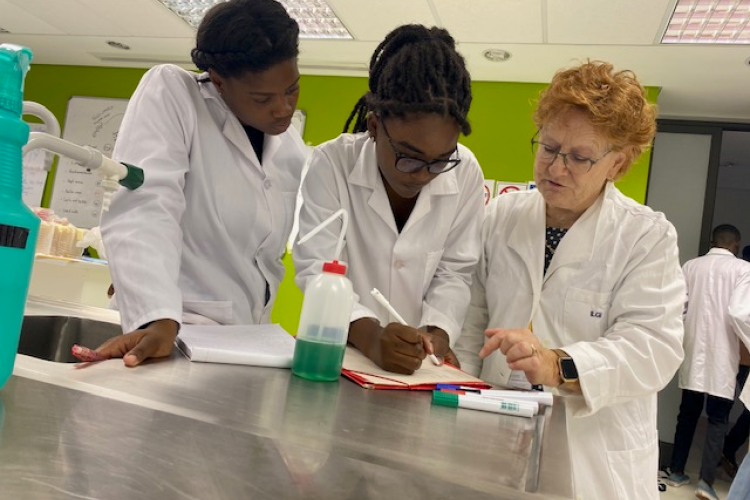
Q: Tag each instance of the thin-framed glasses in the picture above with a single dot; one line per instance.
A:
(574, 162)
(409, 165)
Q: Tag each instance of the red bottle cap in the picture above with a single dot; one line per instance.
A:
(334, 267)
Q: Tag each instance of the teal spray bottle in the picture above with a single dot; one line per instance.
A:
(18, 224)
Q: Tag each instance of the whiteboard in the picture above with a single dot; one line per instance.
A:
(95, 122)
(34, 174)
(76, 193)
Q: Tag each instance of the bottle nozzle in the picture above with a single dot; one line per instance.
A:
(14, 64)
(344, 224)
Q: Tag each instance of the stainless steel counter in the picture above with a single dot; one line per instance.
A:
(182, 430)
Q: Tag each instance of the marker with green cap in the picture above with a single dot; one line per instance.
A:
(474, 402)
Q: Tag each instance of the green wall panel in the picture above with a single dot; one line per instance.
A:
(500, 118)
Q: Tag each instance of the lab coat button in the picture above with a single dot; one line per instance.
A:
(398, 264)
(267, 184)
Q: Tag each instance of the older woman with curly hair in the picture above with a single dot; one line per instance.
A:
(596, 274)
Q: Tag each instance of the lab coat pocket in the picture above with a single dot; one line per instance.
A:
(586, 315)
(633, 472)
(219, 311)
(432, 259)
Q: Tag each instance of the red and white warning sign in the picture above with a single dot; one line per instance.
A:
(489, 190)
(509, 187)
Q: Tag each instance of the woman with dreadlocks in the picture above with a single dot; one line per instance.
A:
(201, 240)
(414, 198)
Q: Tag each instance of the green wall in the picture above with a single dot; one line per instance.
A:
(500, 118)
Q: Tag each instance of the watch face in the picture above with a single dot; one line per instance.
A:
(568, 369)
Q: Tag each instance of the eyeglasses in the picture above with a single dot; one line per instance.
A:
(408, 165)
(575, 163)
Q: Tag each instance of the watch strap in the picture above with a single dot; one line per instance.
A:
(567, 367)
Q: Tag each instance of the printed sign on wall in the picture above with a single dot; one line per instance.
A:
(77, 193)
(509, 187)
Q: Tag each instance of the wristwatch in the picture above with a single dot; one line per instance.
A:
(568, 370)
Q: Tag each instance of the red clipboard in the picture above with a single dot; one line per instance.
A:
(361, 370)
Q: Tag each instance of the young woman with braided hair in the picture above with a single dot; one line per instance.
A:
(201, 240)
(414, 198)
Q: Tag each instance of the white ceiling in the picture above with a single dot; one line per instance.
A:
(707, 82)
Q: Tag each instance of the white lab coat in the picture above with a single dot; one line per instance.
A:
(612, 298)
(712, 352)
(206, 231)
(425, 270)
(739, 314)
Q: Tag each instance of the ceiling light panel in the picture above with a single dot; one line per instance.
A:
(316, 19)
(709, 21)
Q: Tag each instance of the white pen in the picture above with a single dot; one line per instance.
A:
(384, 302)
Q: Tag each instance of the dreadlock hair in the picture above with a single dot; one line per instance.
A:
(415, 69)
(238, 36)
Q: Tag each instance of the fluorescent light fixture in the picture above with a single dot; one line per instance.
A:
(709, 21)
(315, 18)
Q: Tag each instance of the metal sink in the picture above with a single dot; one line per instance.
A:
(52, 337)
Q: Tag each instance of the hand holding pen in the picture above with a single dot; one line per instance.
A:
(427, 342)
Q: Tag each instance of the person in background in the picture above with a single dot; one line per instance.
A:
(711, 354)
(740, 489)
(739, 318)
(579, 287)
(202, 239)
(414, 198)
(739, 433)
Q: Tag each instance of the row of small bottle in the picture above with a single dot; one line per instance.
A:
(57, 236)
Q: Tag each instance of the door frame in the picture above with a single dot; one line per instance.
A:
(716, 131)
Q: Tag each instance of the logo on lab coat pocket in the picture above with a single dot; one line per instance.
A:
(596, 314)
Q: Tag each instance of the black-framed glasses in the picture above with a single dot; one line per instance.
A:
(409, 165)
(574, 162)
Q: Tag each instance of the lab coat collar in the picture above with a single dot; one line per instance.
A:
(208, 89)
(721, 251)
(528, 235)
(232, 128)
(366, 173)
(527, 240)
(579, 242)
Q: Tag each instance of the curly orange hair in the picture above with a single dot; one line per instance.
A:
(614, 101)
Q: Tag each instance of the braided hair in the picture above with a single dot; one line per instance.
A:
(415, 69)
(245, 35)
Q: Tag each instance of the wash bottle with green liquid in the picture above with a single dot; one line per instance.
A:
(326, 312)
(18, 224)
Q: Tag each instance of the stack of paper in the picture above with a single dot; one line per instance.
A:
(258, 345)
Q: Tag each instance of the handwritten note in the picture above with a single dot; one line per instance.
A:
(34, 172)
(77, 193)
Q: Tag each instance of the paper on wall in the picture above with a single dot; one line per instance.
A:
(34, 175)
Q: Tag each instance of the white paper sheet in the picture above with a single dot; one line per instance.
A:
(258, 345)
